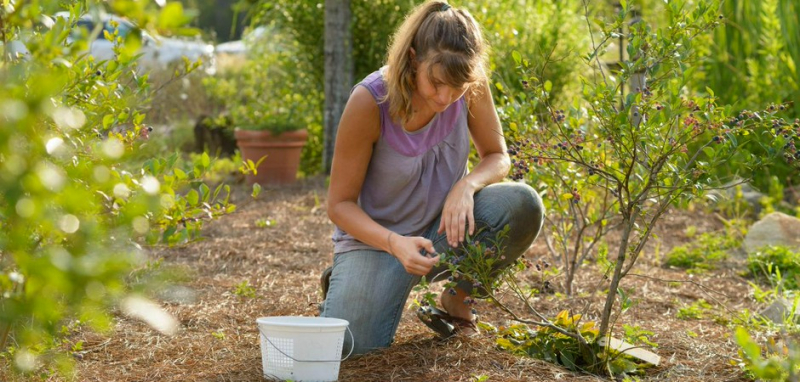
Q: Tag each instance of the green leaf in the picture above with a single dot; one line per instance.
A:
(256, 190)
(168, 233)
(205, 192)
(227, 193)
(133, 43)
(108, 120)
(138, 118)
(180, 174)
(749, 347)
(217, 191)
(568, 360)
(548, 86)
(172, 16)
(516, 56)
(192, 197)
(206, 161)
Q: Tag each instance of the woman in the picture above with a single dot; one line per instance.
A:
(400, 190)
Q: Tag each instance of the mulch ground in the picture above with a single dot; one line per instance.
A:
(282, 262)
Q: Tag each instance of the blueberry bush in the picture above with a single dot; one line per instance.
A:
(609, 162)
(78, 207)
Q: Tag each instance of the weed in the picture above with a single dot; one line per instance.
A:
(705, 253)
(637, 335)
(695, 311)
(244, 289)
(778, 265)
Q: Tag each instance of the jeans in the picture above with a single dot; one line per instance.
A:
(369, 288)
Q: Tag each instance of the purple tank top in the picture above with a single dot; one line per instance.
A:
(410, 173)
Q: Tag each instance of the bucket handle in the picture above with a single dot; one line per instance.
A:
(352, 346)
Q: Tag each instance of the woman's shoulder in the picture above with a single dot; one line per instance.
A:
(362, 100)
(376, 85)
(362, 112)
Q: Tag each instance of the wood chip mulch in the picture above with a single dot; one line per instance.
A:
(282, 262)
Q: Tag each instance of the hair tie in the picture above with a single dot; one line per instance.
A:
(444, 7)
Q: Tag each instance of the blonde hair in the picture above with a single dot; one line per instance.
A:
(439, 34)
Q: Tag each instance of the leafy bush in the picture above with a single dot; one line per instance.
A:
(704, 253)
(554, 346)
(638, 157)
(77, 208)
(754, 55)
(555, 30)
(178, 99)
(777, 361)
(607, 162)
(265, 93)
(777, 265)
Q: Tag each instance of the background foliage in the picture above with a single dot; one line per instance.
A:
(78, 205)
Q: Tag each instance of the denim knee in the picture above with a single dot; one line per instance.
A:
(517, 205)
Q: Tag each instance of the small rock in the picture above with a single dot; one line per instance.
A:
(631, 350)
(778, 310)
(774, 229)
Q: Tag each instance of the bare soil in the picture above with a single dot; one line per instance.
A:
(218, 338)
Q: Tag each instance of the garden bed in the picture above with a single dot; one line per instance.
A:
(265, 260)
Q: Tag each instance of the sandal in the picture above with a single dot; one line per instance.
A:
(325, 281)
(446, 325)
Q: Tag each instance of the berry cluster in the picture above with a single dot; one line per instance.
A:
(559, 117)
(646, 92)
(542, 265)
(576, 196)
(594, 167)
(519, 167)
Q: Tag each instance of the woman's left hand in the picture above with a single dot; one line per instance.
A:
(457, 214)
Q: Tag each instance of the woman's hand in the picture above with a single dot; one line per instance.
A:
(458, 212)
(407, 251)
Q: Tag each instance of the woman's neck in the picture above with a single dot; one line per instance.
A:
(419, 106)
(421, 114)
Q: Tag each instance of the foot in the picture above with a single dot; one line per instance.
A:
(446, 325)
(455, 307)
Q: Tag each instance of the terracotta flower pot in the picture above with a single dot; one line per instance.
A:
(282, 152)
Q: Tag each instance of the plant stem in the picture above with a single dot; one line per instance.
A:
(615, 279)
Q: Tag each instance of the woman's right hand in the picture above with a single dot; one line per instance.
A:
(407, 251)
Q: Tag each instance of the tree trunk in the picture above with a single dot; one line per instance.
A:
(338, 71)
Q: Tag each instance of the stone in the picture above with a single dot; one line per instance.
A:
(634, 351)
(776, 228)
(778, 311)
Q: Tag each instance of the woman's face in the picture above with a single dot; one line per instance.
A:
(433, 90)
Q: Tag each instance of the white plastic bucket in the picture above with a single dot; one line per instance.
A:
(302, 348)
